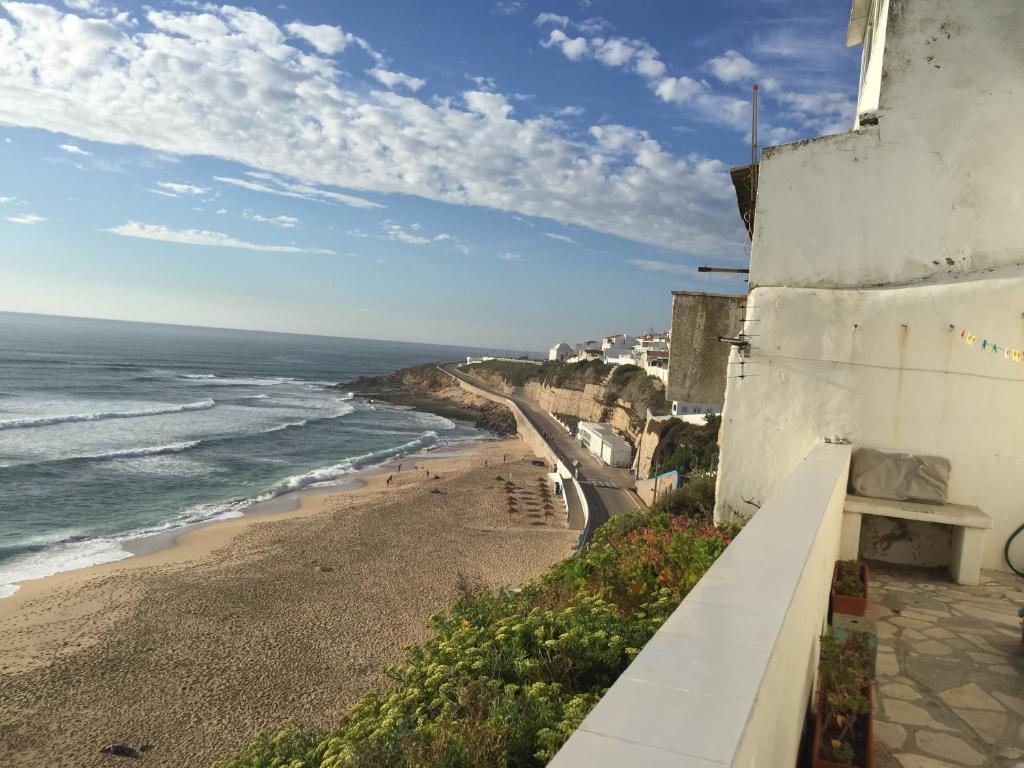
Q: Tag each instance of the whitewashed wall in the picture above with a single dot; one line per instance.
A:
(938, 178)
(868, 246)
(884, 369)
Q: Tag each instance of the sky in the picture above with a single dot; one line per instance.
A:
(496, 173)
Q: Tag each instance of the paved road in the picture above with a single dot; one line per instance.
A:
(605, 488)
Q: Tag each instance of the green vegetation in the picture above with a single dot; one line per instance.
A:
(848, 579)
(694, 500)
(567, 375)
(506, 678)
(424, 388)
(686, 447)
(629, 383)
(844, 703)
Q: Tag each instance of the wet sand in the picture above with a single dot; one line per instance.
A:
(244, 624)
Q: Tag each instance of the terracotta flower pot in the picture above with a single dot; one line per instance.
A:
(851, 606)
(869, 737)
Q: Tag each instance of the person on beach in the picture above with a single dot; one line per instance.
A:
(389, 480)
(399, 467)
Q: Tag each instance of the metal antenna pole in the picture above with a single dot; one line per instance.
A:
(753, 156)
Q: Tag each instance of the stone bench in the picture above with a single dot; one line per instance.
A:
(970, 526)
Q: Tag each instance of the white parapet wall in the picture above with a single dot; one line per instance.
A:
(727, 680)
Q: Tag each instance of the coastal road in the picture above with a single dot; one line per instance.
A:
(606, 489)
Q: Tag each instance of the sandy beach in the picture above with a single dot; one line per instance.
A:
(243, 624)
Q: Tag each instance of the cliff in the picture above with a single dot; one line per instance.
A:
(592, 391)
(426, 388)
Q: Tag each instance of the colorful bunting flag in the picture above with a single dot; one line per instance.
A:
(1016, 355)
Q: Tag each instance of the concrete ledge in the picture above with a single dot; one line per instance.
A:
(948, 514)
(970, 526)
(727, 680)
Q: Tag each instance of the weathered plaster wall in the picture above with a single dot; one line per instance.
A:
(884, 368)
(651, 490)
(932, 189)
(698, 361)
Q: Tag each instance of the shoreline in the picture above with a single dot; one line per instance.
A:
(245, 623)
(149, 544)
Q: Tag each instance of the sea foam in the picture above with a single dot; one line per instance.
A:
(44, 421)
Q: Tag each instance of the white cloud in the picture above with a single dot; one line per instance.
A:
(6, 200)
(203, 237)
(732, 66)
(26, 218)
(663, 266)
(71, 149)
(91, 6)
(508, 7)
(509, 256)
(325, 38)
(574, 48)
(551, 18)
(816, 112)
(393, 79)
(296, 190)
(823, 109)
(618, 139)
(175, 189)
(678, 89)
(570, 111)
(288, 222)
(206, 74)
(396, 232)
(561, 238)
(485, 83)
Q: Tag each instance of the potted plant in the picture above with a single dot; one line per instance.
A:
(844, 726)
(850, 588)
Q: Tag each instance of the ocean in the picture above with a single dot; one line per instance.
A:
(110, 431)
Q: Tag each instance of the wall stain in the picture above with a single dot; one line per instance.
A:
(903, 336)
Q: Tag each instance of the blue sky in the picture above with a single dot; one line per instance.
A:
(501, 174)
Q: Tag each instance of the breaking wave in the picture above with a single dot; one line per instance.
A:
(44, 421)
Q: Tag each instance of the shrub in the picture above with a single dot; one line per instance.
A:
(685, 447)
(290, 748)
(693, 499)
(505, 679)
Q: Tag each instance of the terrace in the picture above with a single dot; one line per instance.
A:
(729, 679)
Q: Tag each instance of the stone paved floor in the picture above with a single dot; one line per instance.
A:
(950, 670)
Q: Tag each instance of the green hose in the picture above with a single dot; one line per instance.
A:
(1006, 550)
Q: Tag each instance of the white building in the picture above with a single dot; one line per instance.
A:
(695, 413)
(605, 443)
(618, 340)
(587, 350)
(655, 362)
(619, 354)
(886, 275)
(561, 351)
(657, 342)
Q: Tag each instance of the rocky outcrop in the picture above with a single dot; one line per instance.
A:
(426, 388)
(497, 418)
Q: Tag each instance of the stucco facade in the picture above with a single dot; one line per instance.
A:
(873, 251)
